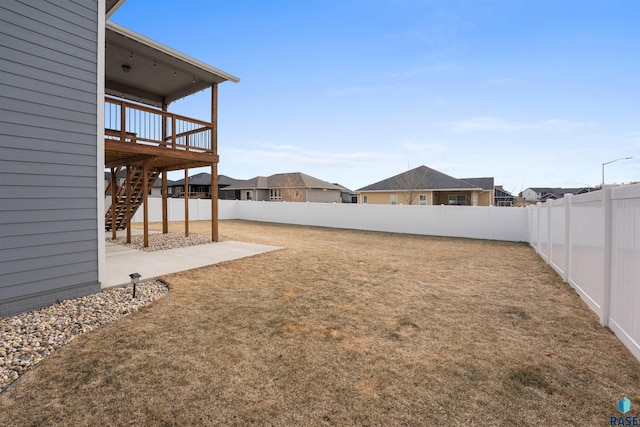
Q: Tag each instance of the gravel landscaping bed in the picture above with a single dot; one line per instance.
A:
(159, 241)
(27, 338)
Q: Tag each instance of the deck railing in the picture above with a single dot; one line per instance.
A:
(139, 124)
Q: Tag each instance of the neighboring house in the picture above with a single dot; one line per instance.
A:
(287, 187)
(486, 197)
(542, 194)
(154, 191)
(224, 182)
(347, 196)
(200, 187)
(426, 186)
(120, 178)
(503, 197)
(58, 133)
(156, 188)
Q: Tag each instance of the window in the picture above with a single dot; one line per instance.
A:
(423, 199)
(459, 200)
(249, 195)
(365, 199)
(394, 199)
(275, 194)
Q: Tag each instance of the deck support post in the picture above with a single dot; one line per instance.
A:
(214, 165)
(114, 194)
(165, 197)
(128, 202)
(145, 199)
(186, 203)
(214, 202)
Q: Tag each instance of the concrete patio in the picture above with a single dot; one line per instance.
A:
(122, 261)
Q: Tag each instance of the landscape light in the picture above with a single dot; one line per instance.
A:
(135, 277)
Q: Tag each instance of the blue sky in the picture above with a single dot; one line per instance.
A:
(531, 92)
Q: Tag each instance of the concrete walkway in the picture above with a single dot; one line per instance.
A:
(122, 261)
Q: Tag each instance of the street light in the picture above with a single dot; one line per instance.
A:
(606, 163)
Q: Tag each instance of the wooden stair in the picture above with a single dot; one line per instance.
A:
(122, 218)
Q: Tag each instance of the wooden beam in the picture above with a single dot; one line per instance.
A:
(214, 165)
(129, 160)
(128, 203)
(145, 199)
(114, 194)
(111, 145)
(191, 165)
(214, 202)
(186, 203)
(123, 122)
(165, 196)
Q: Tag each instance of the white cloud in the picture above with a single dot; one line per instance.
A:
(284, 156)
(497, 124)
(562, 124)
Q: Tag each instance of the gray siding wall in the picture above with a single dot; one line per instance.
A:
(48, 152)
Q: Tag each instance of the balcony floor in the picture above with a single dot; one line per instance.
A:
(118, 153)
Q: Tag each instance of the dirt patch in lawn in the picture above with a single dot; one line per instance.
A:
(343, 328)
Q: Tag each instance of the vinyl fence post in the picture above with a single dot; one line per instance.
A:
(538, 235)
(567, 236)
(606, 280)
(549, 204)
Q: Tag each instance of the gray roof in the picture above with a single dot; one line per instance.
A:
(227, 180)
(283, 180)
(121, 174)
(204, 178)
(158, 183)
(342, 188)
(197, 179)
(556, 192)
(420, 178)
(485, 183)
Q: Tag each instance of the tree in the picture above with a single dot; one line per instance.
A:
(290, 189)
(410, 183)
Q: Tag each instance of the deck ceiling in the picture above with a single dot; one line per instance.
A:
(156, 74)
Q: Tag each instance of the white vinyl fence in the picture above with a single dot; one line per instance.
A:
(593, 242)
(494, 223)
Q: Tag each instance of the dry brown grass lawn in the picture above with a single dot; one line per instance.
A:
(343, 328)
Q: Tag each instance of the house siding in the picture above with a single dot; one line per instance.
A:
(439, 198)
(328, 196)
(49, 144)
(384, 197)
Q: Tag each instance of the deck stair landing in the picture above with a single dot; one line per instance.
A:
(122, 217)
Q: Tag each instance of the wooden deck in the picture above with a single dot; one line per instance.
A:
(148, 142)
(135, 134)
